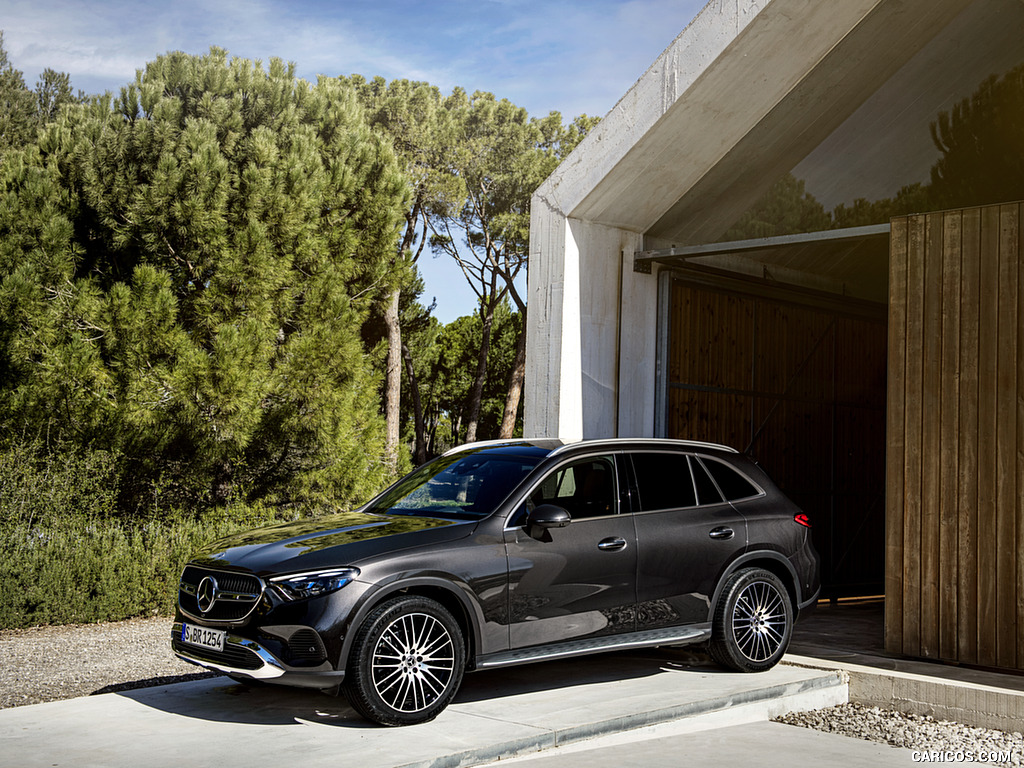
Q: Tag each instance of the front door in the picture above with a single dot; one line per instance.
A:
(578, 581)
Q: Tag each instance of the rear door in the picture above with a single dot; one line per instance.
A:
(686, 536)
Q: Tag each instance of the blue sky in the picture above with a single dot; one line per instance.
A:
(573, 56)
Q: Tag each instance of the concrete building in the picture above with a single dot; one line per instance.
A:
(798, 233)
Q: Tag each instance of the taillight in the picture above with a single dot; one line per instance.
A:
(803, 520)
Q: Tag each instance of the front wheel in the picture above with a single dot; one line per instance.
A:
(406, 663)
(753, 621)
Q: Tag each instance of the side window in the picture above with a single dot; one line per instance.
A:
(734, 485)
(663, 481)
(706, 491)
(586, 488)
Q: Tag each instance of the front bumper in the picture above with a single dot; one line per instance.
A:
(243, 657)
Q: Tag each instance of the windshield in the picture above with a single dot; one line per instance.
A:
(464, 486)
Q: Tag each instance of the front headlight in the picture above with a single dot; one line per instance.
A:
(299, 586)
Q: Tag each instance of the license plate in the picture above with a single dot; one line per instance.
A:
(203, 637)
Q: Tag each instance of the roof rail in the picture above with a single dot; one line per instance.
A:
(611, 441)
(484, 443)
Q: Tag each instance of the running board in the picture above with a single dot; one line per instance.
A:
(696, 633)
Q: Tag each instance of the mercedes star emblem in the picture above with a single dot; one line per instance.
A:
(206, 595)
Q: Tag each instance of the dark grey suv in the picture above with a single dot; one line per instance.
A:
(505, 553)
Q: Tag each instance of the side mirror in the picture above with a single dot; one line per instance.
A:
(544, 517)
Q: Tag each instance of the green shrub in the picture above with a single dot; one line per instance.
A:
(94, 569)
(38, 485)
(67, 557)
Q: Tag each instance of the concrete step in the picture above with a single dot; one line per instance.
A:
(978, 698)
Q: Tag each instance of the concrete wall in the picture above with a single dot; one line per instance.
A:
(584, 376)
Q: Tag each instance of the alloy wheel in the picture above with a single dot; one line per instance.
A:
(413, 662)
(759, 621)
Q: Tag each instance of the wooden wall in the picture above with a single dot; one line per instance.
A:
(955, 464)
(803, 386)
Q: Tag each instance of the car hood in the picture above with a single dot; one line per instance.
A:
(335, 540)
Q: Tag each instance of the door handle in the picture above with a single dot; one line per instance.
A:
(722, 533)
(612, 545)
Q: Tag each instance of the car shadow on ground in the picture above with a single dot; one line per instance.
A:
(569, 673)
(149, 682)
(221, 699)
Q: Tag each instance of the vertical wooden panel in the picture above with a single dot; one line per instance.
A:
(949, 428)
(931, 404)
(896, 431)
(956, 436)
(988, 330)
(914, 417)
(1020, 443)
(1006, 441)
(967, 463)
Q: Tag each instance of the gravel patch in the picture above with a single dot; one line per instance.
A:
(917, 732)
(49, 663)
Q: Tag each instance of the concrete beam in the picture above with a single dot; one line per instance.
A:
(813, 71)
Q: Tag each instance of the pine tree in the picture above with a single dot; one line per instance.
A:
(17, 106)
(423, 134)
(222, 231)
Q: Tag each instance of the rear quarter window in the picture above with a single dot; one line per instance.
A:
(733, 484)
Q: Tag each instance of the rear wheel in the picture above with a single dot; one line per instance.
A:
(406, 663)
(753, 621)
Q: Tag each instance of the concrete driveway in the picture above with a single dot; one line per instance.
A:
(498, 714)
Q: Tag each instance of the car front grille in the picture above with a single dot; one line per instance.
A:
(235, 594)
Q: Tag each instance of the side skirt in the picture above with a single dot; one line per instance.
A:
(695, 633)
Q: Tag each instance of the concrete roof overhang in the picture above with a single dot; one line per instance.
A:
(739, 98)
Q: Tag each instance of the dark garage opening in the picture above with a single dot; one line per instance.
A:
(793, 375)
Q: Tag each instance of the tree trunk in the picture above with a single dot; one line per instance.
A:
(476, 394)
(393, 382)
(420, 452)
(456, 427)
(515, 384)
(393, 366)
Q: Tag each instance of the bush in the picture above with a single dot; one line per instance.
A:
(36, 484)
(65, 555)
(92, 569)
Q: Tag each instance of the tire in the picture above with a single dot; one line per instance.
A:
(753, 621)
(406, 662)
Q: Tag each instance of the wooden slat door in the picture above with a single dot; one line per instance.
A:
(802, 387)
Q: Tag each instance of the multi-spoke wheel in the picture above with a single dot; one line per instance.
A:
(753, 621)
(406, 662)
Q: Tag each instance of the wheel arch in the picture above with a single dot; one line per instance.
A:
(773, 562)
(453, 597)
